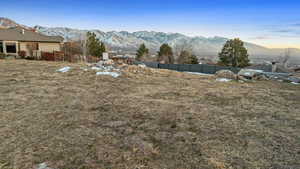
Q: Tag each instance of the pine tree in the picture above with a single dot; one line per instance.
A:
(142, 52)
(102, 48)
(165, 54)
(234, 54)
(94, 46)
(194, 59)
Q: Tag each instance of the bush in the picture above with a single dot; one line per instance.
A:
(48, 56)
(22, 54)
(2, 55)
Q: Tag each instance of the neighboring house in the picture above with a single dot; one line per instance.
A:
(206, 61)
(297, 69)
(120, 59)
(16, 39)
(274, 67)
(263, 67)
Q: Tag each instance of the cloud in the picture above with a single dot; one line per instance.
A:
(261, 37)
(287, 32)
(296, 24)
(284, 31)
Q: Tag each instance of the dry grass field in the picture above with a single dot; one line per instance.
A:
(149, 120)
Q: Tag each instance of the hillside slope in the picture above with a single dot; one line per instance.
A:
(152, 119)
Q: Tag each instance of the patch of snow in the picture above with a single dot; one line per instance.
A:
(95, 68)
(64, 69)
(295, 83)
(196, 73)
(142, 65)
(113, 74)
(85, 69)
(223, 80)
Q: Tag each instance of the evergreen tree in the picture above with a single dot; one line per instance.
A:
(165, 54)
(102, 48)
(142, 52)
(94, 46)
(194, 59)
(234, 54)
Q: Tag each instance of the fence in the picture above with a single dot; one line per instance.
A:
(200, 68)
(56, 56)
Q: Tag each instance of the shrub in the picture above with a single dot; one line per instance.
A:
(48, 56)
(22, 54)
(2, 55)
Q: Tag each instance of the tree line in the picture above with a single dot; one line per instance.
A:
(232, 54)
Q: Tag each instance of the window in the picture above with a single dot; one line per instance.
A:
(1, 47)
(11, 48)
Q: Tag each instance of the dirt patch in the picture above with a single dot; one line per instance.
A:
(143, 119)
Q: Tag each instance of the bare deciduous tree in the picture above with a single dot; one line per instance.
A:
(183, 46)
(284, 59)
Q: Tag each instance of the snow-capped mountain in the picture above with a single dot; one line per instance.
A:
(129, 42)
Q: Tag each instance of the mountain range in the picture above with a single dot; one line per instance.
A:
(128, 42)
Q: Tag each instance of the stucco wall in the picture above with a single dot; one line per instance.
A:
(43, 47)
(49, 47)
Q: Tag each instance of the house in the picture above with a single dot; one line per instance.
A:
(297, 69)
(207, 61)
(263, 67)
(274, 67)
(15, 40)
(120, 59)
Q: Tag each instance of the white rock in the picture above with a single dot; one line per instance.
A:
(43, 166)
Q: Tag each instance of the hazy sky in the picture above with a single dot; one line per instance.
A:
(271, 23)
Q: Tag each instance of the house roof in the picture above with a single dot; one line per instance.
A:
(16, 34)
(263, 67)
(268, 68)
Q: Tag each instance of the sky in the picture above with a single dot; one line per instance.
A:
(271, 23)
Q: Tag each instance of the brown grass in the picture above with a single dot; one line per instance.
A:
(145, 119)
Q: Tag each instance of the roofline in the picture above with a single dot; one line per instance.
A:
(43, 41)
(34, 41)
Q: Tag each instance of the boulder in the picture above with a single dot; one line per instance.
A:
(43, 166)
(251, 74)
(227, 74)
